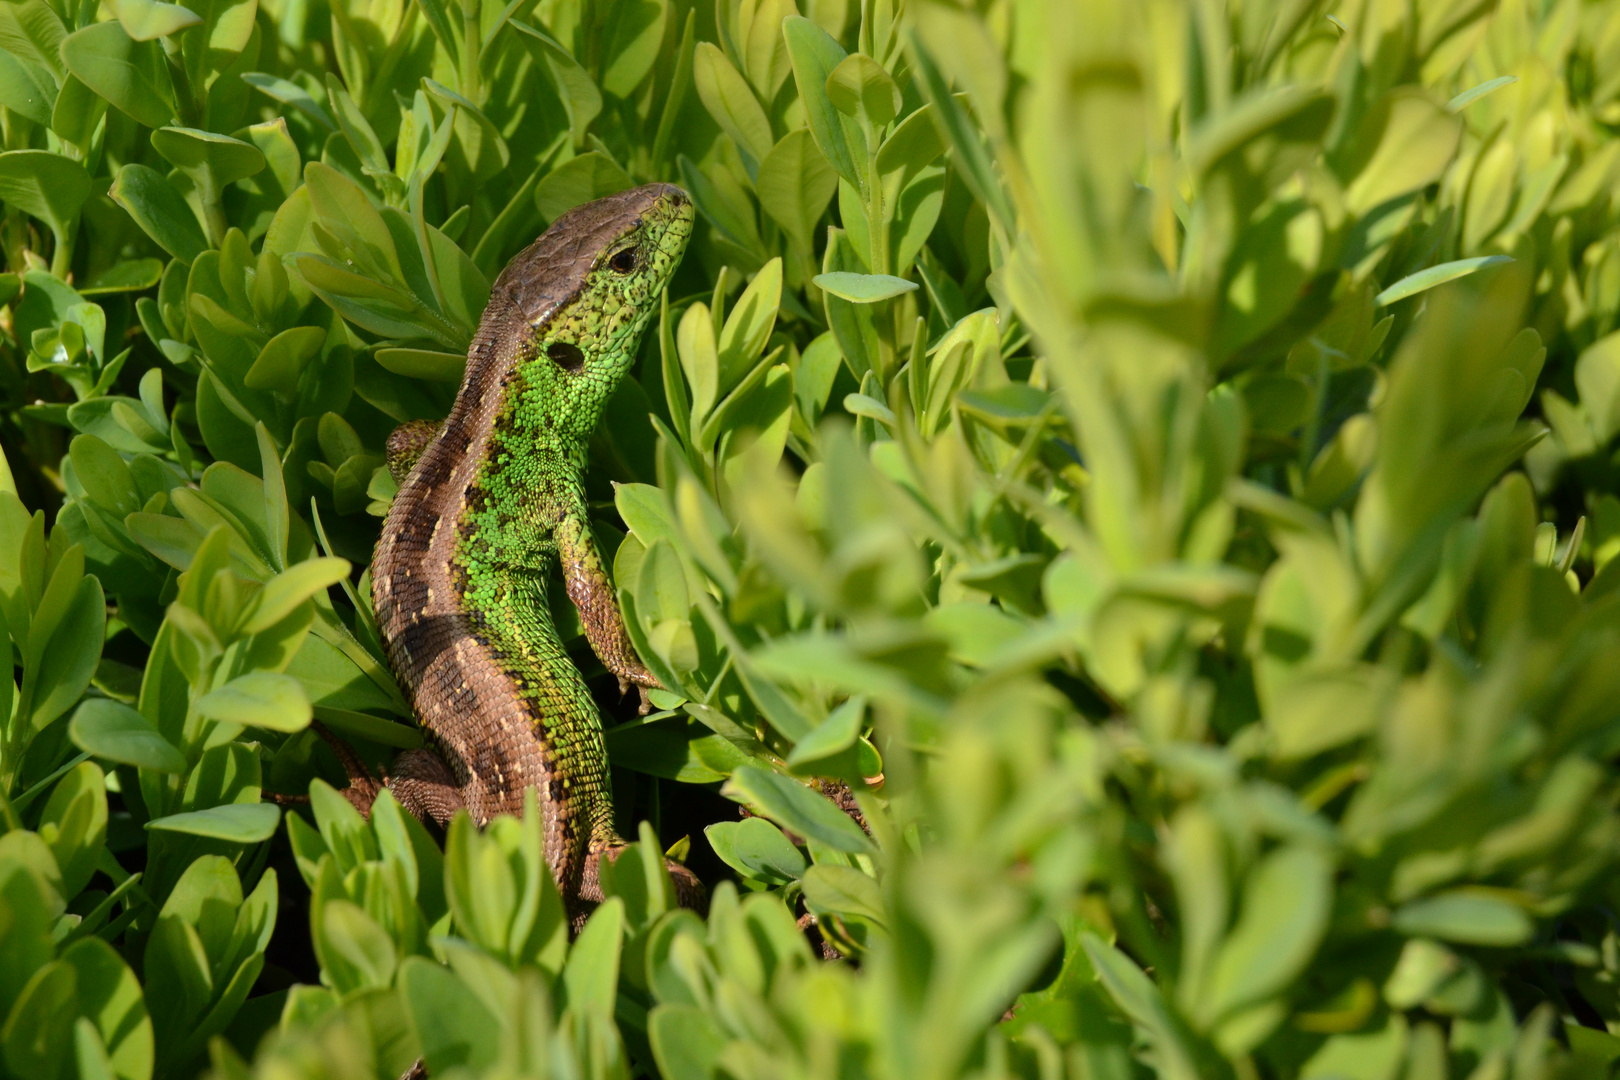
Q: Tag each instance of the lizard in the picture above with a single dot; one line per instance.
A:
(487, 501)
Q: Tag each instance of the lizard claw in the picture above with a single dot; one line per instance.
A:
(646, 703)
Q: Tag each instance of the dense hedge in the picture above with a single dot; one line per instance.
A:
(1158, 454)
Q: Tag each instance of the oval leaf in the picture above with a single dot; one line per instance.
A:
(1412, 284)
(264, 699)
(862, 288)
(796, 807)
(45, 185)
(115, 732)
(237, 823)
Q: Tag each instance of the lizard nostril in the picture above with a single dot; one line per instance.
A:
(566, 356)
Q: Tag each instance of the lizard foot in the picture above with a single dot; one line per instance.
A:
(406, 444)
(689, 891)
(363, 787)
(421, 781)
(641, 688)
(425, 786)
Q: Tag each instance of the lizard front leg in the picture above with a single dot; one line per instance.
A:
(592, 593)
(406, 445)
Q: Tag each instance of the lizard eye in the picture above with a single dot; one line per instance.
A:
(566, 356)
(624, 261)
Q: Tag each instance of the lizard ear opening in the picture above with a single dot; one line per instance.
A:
(566, 356)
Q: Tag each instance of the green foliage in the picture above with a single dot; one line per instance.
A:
(1124, 495)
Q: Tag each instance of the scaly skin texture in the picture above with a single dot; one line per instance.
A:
(493, 497)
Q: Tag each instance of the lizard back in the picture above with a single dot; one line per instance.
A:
(459, 577)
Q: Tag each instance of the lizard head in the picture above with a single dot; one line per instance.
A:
(587, 289)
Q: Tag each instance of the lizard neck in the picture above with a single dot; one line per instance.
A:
(532, 456)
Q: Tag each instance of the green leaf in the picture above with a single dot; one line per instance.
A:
(160, 210)
(1404, 143)
(794, 185)
(1467, 97)
(236, 823)
(128, 73)
(815, 55)
(374, 306)
(360, 232)
(354, 951)
(1371, 1054)
(78, 113)
(352, 122)
(106, 478)
(208, 49)
(844, 890)
(590, 979)
(748, 326)
(794, 806)
(722, 202)
(860, 87)
(1140, 999)
(115, 732)
(863, 288)
(730, 100)
(64, 643)
(631, 43)
(283, 358)
(966, 140)
(423, 364)
(75, 823)
(871, 408)
(345, 833)
(210, 160)
(26, 88)
(132, 275)
(578, 181)
(290, 93)
(911, 147)
(757, 849)
(264, 699)
(833, 735)
(452, 1025)
(38, 1035)
(144, 20)
(479, 145)
(686, 1042)
(285, 591)
(578, 90)
(32, 32)
(1286, 903)
(1412, 284)
(1470, 918)
(48, 186)
(30, 894)
(109, 997)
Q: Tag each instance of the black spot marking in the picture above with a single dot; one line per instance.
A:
(415, 531)
(425, 640)
(434, 469)
(566, 356)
